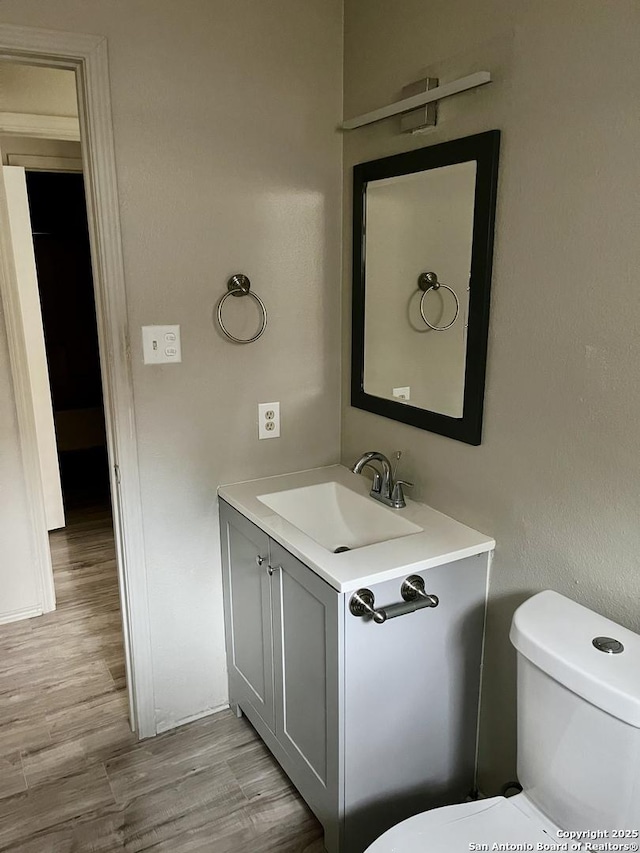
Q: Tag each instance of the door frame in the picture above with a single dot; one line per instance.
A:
(87, 56)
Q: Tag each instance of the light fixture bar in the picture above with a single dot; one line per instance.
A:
(443, 91)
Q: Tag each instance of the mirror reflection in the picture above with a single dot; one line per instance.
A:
(418, 236)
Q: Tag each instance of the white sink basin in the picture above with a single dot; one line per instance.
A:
(336, 517)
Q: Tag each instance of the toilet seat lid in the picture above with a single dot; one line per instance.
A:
(454, 829)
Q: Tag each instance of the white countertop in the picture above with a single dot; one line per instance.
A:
(443, 539)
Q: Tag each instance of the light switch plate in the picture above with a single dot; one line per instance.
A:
(161, 344)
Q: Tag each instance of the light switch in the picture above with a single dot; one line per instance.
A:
(161, 344)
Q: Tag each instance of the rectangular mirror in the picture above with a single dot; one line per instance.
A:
(422, 249)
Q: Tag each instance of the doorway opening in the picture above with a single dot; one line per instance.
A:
(83, 637)
(85, 56)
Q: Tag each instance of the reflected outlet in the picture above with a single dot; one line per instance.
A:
(403, 393)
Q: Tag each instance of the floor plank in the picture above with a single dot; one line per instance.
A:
(48, 804)
(12, 778)
(73, 777)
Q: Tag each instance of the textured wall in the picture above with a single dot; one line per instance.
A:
(42, 91)
(228, 161)
(557, 478)
(22, 145)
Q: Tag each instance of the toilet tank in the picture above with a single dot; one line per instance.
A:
(578, 716)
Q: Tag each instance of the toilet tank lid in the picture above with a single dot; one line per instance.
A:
(556, 634)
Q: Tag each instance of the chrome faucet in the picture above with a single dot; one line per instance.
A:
(385, 487)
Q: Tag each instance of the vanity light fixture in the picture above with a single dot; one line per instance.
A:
(415, 101)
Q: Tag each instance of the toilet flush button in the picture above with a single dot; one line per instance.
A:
(608, 645)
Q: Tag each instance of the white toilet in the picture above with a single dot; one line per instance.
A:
(578, 744)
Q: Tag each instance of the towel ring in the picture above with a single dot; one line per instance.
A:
(239, 285)
(429, 281)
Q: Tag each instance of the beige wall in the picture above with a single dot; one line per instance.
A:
(228, 161)
(41, 91)
(557, 478)
(38, 147)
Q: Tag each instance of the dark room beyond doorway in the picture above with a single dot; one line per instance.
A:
(63, 260)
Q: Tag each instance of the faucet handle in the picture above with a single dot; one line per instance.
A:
(397, 496)
(397, 456)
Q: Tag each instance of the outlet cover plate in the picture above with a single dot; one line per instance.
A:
(161, 344)
(268, 420)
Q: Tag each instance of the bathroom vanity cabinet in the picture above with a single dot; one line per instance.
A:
(371, 722)
(283, 637)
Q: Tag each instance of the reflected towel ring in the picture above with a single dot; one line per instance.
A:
(239, 285)
(429, 281)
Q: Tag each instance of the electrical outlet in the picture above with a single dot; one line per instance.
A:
(402, 393)
(268, 420)
(161, 344)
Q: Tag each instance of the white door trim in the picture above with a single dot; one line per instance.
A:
(45, 163)
(40, 126)
(87, 56)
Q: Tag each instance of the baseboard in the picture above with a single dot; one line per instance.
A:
(166, 726)
(18, 615)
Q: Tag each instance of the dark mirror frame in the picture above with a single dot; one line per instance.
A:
(484, 149)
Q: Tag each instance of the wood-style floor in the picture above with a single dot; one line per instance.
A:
(73, 778)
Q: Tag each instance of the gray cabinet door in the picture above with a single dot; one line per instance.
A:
(247, 593)
(307, 642)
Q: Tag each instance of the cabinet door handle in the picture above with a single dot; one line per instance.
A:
(272, 569)
(259, 560)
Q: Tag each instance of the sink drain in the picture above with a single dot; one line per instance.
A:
(342, 549)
